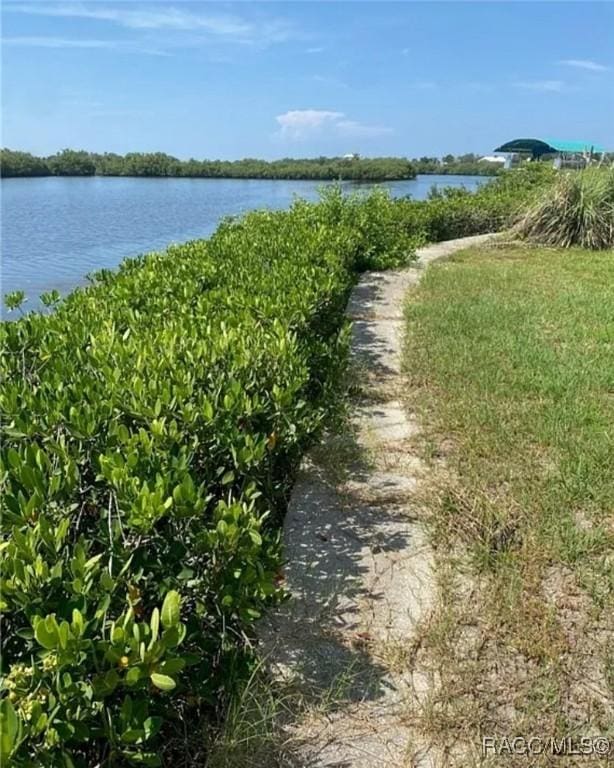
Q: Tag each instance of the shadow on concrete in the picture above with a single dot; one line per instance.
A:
(328, 540)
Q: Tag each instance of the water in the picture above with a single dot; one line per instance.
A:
(56, 230)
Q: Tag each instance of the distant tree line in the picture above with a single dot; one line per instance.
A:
(468, 164)
(69, 162)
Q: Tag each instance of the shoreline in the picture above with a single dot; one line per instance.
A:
(197, 208)
(255, 178)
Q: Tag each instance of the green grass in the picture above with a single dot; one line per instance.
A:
(510, 357)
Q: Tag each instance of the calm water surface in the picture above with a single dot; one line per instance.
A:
(56, 230)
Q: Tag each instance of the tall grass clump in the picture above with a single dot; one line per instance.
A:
(577, 210)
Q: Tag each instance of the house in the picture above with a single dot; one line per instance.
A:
(492, 159)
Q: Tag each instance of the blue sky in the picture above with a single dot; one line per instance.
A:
(266, 79)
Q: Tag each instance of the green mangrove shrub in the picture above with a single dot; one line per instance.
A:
(151, 425)
(453, 212)
(578, 209)
(70, 162)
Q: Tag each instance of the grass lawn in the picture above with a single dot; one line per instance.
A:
(510, 360)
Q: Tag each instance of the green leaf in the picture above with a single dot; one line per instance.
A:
(132, 735)
(92, 561)
(171, 609)
(65, 730)
(14, 300)
(106, 580)
(64, 634)
(9, 729)
(150, 759)
(104, 685)
(111, 678)
(46, 632)
(133, 676)
(14, 458)
(163, 682)
(173, 636)
(126, 709)
(155, 625)
(77, 622)
(151, 726)
(41, 722)
(171, 666)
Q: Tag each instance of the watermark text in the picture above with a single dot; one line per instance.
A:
(589, 746)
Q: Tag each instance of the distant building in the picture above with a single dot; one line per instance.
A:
(351, 156)
(492, 159)
(563, 153)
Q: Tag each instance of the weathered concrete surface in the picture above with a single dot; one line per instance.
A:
(359, 567)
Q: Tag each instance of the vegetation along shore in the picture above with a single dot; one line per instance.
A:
(70, 162)
(152, 427)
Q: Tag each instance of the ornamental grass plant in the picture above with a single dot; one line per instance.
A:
(577, 210)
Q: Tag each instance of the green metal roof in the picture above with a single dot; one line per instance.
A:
(546, 146)
(575, 146)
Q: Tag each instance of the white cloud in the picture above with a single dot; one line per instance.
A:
(552, 86)
(224, 26)
(593, 66)
(298, 122)
(57, 42)
(352, 128)
(314, 50)
(301, 123)
(64, 42)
